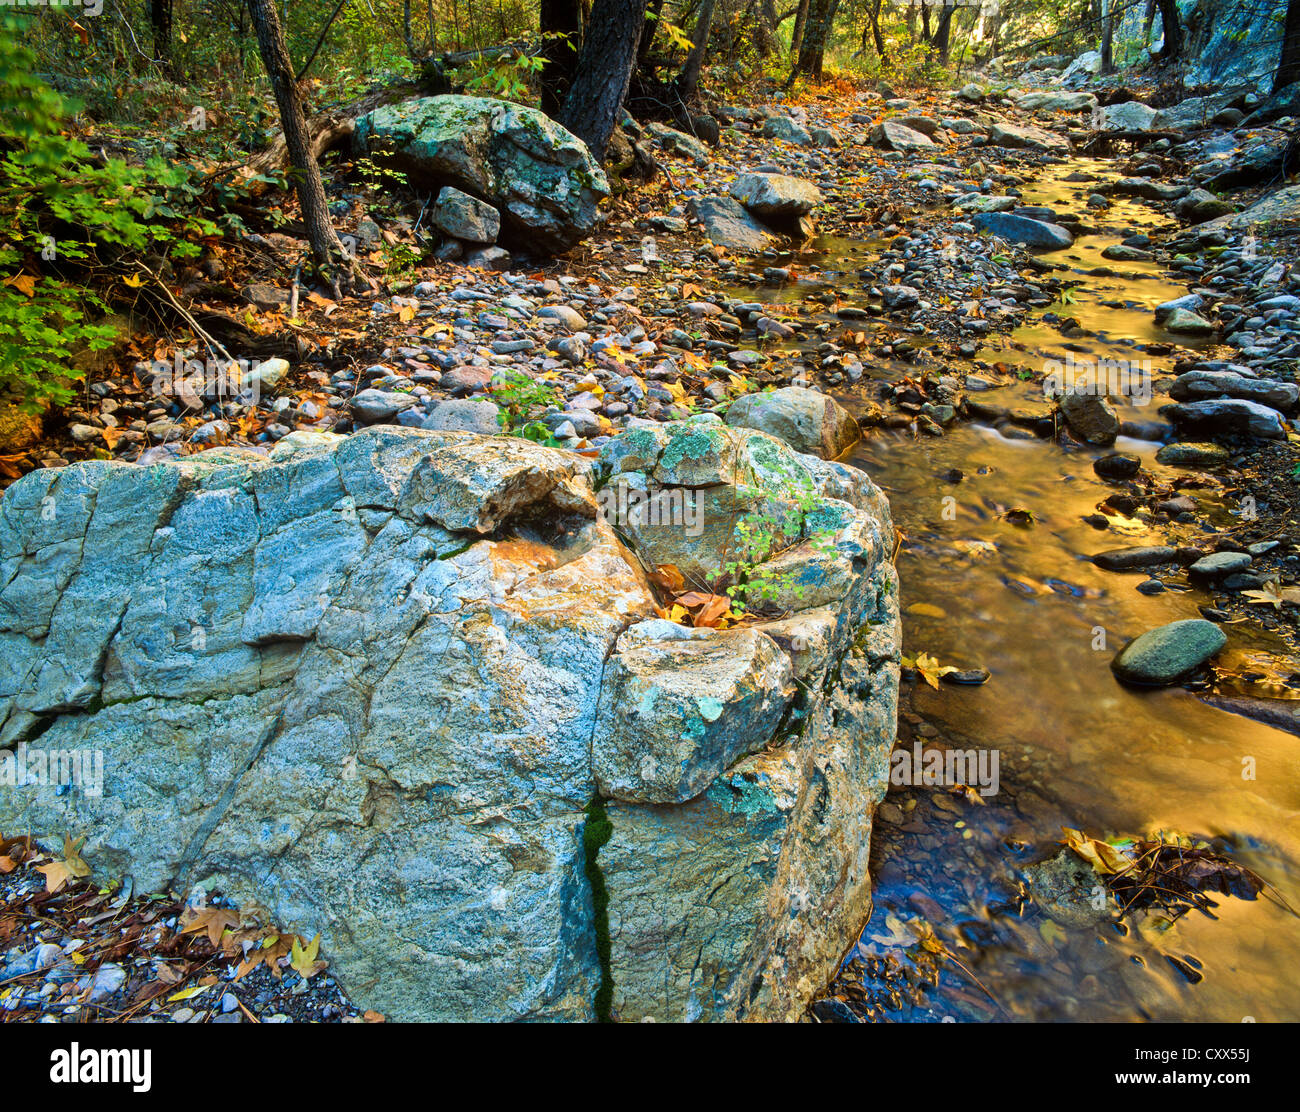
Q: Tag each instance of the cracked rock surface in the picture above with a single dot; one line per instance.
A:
(373, 682)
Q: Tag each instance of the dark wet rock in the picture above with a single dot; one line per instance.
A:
(1187, 323)
(1123, 559)
(1189, 454)
(1117, 466)
(1201, 205)
(1229, 415)
(1064, 887)
(1218, 564)
(1091, 417)
(1169, 653)
(970, 677)
(1195, 385)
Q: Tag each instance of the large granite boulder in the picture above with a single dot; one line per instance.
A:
(540, 177)
(380, 685)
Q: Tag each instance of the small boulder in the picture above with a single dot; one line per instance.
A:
(808, 420)
(1165, 655)
(457, 214)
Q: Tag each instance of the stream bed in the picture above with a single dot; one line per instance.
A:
(1074, 747)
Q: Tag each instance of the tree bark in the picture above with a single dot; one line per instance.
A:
(688, 81)
(873, 14)
(604, 71)
(648, 32)
(559, 17)
(1288, 66)
(800, 25)
(160, 23)
(1173, 30)
(821, 16)
(943, 32)
(333, 262)
(1107, 36)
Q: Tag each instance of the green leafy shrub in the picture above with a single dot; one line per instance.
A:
(64, 210)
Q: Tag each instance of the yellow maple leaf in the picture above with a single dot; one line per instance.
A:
(72, 867)
(303, 958)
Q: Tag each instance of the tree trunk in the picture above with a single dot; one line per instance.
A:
(873, 14)
(604, 70)
(800, 25)
(1288, 66)
(821, 16)
(1173, 30)
(943, 32)
(160, 22)
(1107, 36)
(765, 28)
(559, 17)
(688, 81)
(328, 251)
(649, 31)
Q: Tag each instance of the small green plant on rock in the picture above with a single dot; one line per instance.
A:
(519, 397)
(762, 534)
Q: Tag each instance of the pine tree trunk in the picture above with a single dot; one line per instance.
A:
(1107, 36)
(160, 23)
(1173, 30)
(328, 251)
(604, 71)
(943, 32)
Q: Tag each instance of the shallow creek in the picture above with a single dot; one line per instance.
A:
(1075, 748)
